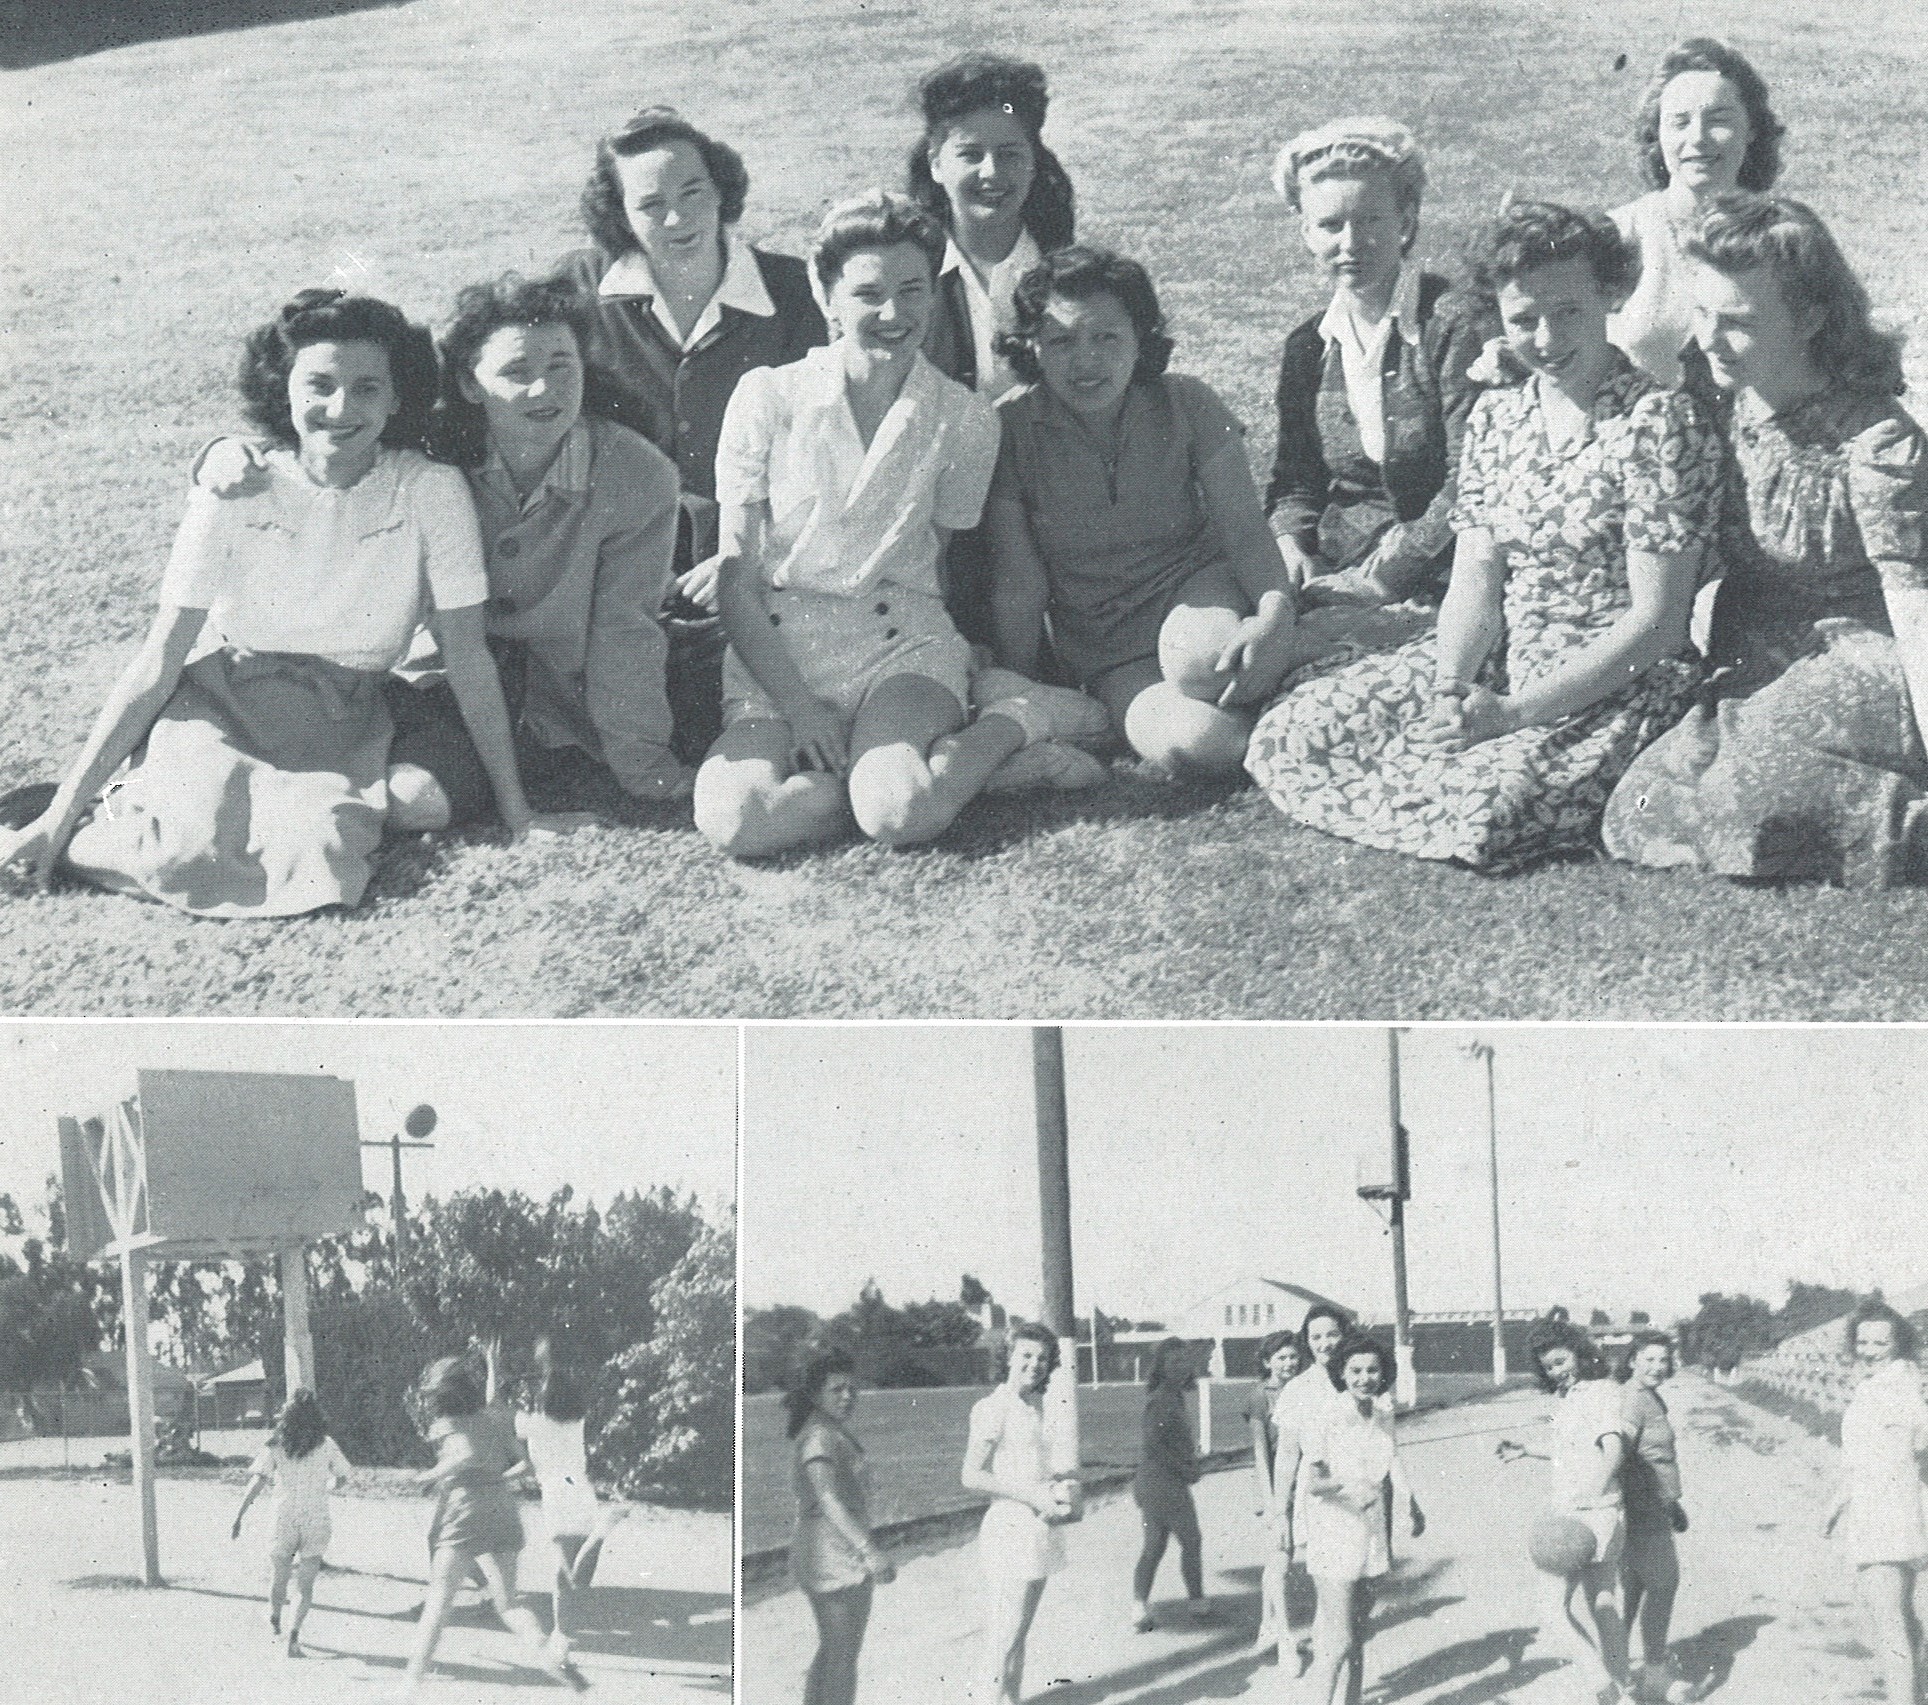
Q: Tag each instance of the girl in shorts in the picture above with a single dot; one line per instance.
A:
(303, 1464)
(839, 478)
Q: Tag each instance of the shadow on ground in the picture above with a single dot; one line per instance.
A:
(1708, 1657)
(37, 32)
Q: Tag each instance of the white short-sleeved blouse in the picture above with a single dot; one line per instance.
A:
(346, 573)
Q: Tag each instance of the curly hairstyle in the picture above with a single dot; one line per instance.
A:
(1761, 164)
(874, 220)
(1907, 1339)
(1321, 1311)
(1563, 1335)
(991, 82)
(1272, 1343)
(1644, 1339)
(301, 1426)
(1078, 273)
(1352, 149)
(459, 431)
(1739, 232)
(1037, 1333)
(1529, 235)
(800, 1400)
(449, 1387)
(1357, 1343)
(1174, 1365)
(603, 214)
(333, 316)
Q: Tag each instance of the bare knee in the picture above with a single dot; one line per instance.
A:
(1180, 733)
(1189, 646)
(893, 799)
(416, 802)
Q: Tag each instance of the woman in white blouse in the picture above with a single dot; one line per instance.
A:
(1704, 128)
(252, 721)
(1884, 1460)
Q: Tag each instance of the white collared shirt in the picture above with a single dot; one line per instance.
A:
(1362, 354)
(991, 308)
(741, 287)
(842, 516)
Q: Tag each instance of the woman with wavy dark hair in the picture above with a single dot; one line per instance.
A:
(1804, 759)
(303, 1465)
(682, 308)
(831, 1554)
(1884, 1486)
(1703, 129)
(253, 721)
(1586, 499)
(1008, 1459)
(1123, 514)
(1162, 1487)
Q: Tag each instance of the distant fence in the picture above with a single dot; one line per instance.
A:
(104, 1414)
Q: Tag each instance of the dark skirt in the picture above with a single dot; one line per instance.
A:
(479, 1519)
(259, 792)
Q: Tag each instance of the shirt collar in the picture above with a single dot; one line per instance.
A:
(1024, 255)
(741, 286)
(1402, 312)
(568, 473)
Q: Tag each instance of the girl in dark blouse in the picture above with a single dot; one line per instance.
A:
(1162, 1488)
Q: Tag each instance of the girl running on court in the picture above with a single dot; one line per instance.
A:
(303, 1464)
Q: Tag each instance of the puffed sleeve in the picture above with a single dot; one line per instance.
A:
(750, 422)
(262, 1468)
(966, 476)
(1670, 477)
(1888, 487)
(815, 1445)
(1478, 466)
(197, 567)
(987, 1426)
(451, 537)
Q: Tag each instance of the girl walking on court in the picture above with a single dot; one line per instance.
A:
(1162, 1488)
(831, 1554)
(1281, 1356)
(554, 1450)
(303, 1464)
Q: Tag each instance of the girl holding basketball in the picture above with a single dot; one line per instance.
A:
(1348, 1463)
(303, 1464)
(1578, 1546)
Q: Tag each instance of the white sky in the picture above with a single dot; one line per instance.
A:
(529, 1107)
(1639, 1166)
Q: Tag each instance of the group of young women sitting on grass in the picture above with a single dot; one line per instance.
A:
(962, 531)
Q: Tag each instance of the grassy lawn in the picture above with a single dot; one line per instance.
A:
(163, 197)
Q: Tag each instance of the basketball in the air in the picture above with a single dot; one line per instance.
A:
(420, 1121)
(1560, 1545)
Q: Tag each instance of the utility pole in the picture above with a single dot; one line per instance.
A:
(1484, 1051)
(1407, 1392)
(418, 1124)
(1054, 1220)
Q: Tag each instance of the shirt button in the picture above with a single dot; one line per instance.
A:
(502, 606)
(510, 548)
(776, 621)
(883, 609)
(890, 633)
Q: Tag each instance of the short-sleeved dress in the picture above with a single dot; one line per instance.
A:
(821, 1558)
(560, 1457)
(850, 557)
(262, 786)
(477, 1511)
(1803, 758)
(1121, 527)
(1015, 1543)
(1883, 1433)
(1336, 750)
(302, 1524)
(1345, 1538)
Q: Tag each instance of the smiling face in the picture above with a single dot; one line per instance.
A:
(984, 165)
(1087, 350)
(1555, 321)
(1561, 1366)
(882, 300)
(1704, 132)
(340, 396)
(838, 1398)
(1363, 1373)
(1030, 1364)
(1323, 1336)
(1752, 339)
(1355, 230)
(1283, 1363)
(528, 381)
(1653, 1366)
(1874, 1342)
(675, 212)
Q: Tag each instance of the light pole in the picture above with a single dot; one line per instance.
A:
(1484, 1051)
(418, 1124)
(1395, 1194)
(1054, 1217)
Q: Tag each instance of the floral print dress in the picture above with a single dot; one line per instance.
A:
(1337, 750)
(1803, 759)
